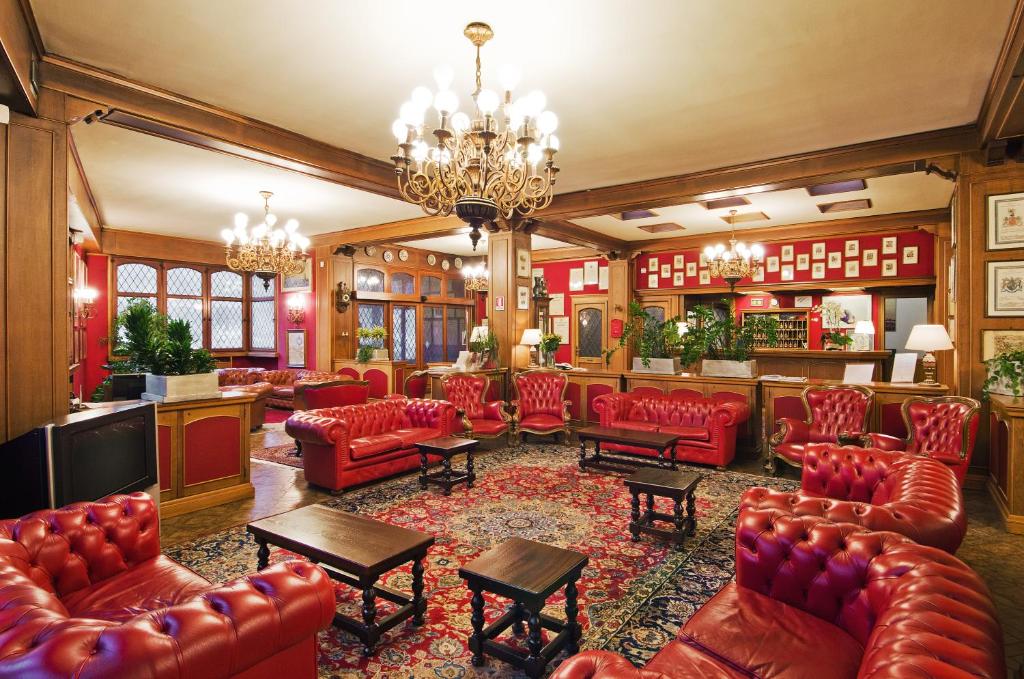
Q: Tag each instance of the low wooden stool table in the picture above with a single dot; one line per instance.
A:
(663, 445)
(355, 550)
(526, 572)
(677, 485)
(447, 447)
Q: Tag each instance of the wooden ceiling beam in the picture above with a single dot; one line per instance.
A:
(1002, 109)
(391, 232)
(581, 236)
(20, 48)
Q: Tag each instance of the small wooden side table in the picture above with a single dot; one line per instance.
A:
(526, 572)
(679, 486)
(447, 447)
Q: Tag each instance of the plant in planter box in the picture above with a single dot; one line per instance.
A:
(1005, 374)
(724, 344)
(549, 343)
(655, 342)
(487, 348)
(372, 339)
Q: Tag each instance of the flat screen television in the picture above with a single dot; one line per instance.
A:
(79, 457)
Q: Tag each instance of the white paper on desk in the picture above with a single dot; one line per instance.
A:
(575, 279)
(904, 367)
(602, 278)
(556, 307)
(858, 373)
(560, 326)
(590, 273)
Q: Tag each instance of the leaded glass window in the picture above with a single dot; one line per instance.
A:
(185, 300)
(371, 316)
(433, 334)
(403, 284)
(456, 336)
(369, 280)
(403, 332)
(262, 313)
(589, 333)
(456, 286)
(431, 286)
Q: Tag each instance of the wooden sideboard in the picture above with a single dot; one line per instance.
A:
(584, 387)
(385, 377)
(815, 364)
(497, 390)
(1006, 459)
(203, 453)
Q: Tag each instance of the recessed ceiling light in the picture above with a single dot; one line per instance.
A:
(843, 206)
(837, 187)
(744, 217)
(661, 228)
(731, 201)
(635, 214)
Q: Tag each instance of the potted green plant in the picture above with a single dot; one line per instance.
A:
(487, 347)
(163, 349)
(834, 340)
(832, 315)
(654, 342)
(1005, 374)
(723, 345)
(549, 343)
(373, 339)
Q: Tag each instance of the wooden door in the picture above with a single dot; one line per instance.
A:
(588, 330)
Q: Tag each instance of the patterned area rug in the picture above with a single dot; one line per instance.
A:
(276, 415)
(280, 454)
(633, 596)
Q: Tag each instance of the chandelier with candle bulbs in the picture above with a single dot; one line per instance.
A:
(496, 161)
(736, 262)
(264, 248)
(477, 277)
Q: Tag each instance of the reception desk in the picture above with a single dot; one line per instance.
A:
(1006, 459)
(203, 453)
(812, 364)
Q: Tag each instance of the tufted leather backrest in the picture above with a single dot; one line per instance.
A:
(836, 409)
(279, 377)
(540, 392)
(367, 419)
(67, 549)
(944, 427)
(466, 392)
(676, 412)
(227, 377)
(416, 384)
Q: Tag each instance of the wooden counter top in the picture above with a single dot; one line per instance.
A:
(909, 387)
(818, 354)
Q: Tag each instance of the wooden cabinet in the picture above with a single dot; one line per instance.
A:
(584, 387)
(792, 328)
(385, 377)
(1006, 459)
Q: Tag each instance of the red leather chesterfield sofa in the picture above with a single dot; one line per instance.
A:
(283, 381)
(815, 599)
(707, 425)
(85, 593)
(349, 445)
(914, 496)
(249, 380)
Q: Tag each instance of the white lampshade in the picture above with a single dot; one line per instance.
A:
(531, 337)
(479, 334)
(864, 328)
(929, 338)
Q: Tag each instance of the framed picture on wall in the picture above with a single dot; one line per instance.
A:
(888, 267)
(889, 245)
(854, 308)
(802, 302)
(652, 280)
(835, 260)
(757, 301)
(910, 254)
(995, 342)
(1005, 221)
(666, 271)
(787, 272)
(1005, 288)
(870, 258)
(296, 349)
(758, 276)
(691, 268)
(522, 297)
(523, 263)
(818, 270)
(772, 264)
(787, 253)
(852, 248)
(678, 279)
(853, 269)
(703, 259)
(652, 263)
(803, 262)
(818, 251)
(705, 277)
(678, 262)
(300, 282)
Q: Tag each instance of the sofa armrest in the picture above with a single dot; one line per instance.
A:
(611, 407)
(884, 442)
(791, 430)
(318, 428)
(428, 412)
(601, 665)
(728, 413)
(495, 410)
(567, 412)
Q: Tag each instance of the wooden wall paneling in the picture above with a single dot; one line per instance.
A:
(1002, 110)
(78, 186)
(508, 324)
(620, 292)
(344, 326)
(4, 131)
(323, 306)
(19, 48)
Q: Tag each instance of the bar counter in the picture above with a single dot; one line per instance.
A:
(816, 364)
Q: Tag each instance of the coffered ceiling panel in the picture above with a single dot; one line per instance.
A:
(461, 245)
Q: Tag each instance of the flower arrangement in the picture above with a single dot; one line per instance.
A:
(370, 339)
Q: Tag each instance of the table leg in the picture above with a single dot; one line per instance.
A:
(446, 474)
(419, 604)
(369, 615)
(534, 663)
(677, 520)
(476, 640)
(691, 513)
(470, 473)
(583, 454)
(423, 470)
(634, 516)
(650, 508)
(571, 610)
(517, 627)
(262, 554)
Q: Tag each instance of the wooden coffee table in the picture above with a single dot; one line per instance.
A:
(620, 461)
(679, 486)
(447, 447)
(355, 550)
(526, 572)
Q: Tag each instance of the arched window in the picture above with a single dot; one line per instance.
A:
(369, 280)
(185, 300)
(135, 281)
(430, 286)
(226, 310)
(262, 314)
(590, 333)
(403, 284)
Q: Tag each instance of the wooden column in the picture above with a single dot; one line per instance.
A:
(323, 306)
(509, 323)
(620, 292)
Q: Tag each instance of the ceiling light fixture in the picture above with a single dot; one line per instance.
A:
(736, 262)
(485, 166)
(477, 277)
(264, 249)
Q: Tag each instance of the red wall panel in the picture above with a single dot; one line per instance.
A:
(556, 275)
(212, 449)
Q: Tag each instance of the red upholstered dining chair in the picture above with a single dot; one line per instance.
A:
(942, 427)
(540, 406)
(480, 419)
(831, 410)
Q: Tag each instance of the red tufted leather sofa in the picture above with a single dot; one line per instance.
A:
(818, 599)
(943, 428)
(831, 410)
(913, 496)
(477, 418)
(249, 380)
(540, 406)
(85, 593)
(284, 381)
(346, 446)
(707, 425)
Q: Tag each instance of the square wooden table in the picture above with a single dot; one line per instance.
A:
(355, 550)
(447, 447)
(679, 486)
(526, 572)
(618, 461)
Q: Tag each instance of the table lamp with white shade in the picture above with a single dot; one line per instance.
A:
(865, 332)
(929, 338)
(531, 338)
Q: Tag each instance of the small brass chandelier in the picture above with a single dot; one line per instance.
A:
(737, 262)
(264, 249)
(477, 277)
(499, 162)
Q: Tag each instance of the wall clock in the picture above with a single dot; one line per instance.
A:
(370, 250)
(458, 262)
(445, 265)
(403, 255)
(389, 256)
(431, 259)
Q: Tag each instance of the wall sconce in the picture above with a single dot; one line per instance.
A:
(296, 309)
(85, 301)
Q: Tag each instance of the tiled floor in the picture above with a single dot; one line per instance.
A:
(995, 554)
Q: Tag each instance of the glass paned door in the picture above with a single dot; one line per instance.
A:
(403, 332)
(433, 334)
(456, 332)
(589, 331)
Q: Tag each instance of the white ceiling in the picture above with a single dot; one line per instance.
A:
(144, 183)
(897, 193)
(461, 245)
(643, 90)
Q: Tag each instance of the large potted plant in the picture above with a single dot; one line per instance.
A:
(725, 345)
(374, 341)
(1005, 374)
(654, 342)
(163, 349)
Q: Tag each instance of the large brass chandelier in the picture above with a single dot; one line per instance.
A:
(736, 262)
(263, 248)
(499, 162)
(477, 277)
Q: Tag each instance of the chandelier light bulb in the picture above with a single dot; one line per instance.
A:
(446, 102)
(757, 250)
(443, 76)
(547, 122)
(487, 101)
(460, 122)
(271, 219)
(535, 102)
(419, 151)
(551, 143)
(515, 115)
(727, 255)
(509, 77)
(228, 235)
(400, 130)
(241, 220)
(533, 154)
(291, 225)
(259, 231)
(422, 97)
(709, 253)
(411, 114)
(719, 249)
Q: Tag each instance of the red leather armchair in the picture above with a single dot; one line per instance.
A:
(913, 496)
(416, 384)
(284, 381)
(540, 406)
(346, 446)
(85, 592)
(943, 428)
(831, 410)
(818, 599)
(707, 425)
(249, 380)
(479, 419)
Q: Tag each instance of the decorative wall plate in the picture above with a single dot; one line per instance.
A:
(370, 250)
(431, 259)
(458, 262)
(403, 255)
(445, 265)
(389, 256)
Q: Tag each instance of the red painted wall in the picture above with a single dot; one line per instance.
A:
(556, 275)
(308, 303)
